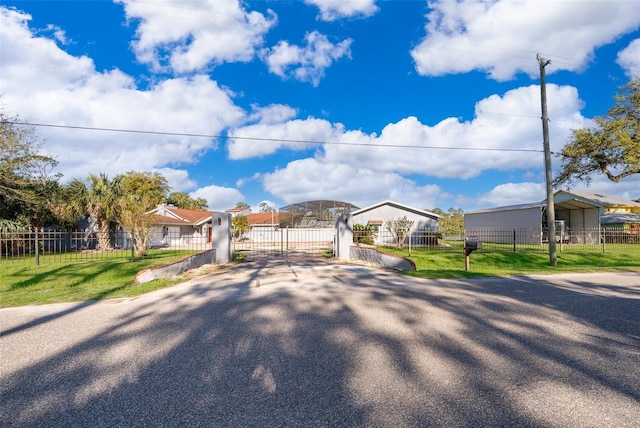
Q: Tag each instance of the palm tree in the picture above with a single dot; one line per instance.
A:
(98, 198)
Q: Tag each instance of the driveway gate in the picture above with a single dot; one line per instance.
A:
(283, 242)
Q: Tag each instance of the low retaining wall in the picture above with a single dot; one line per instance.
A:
(387, 261)
(182, 265)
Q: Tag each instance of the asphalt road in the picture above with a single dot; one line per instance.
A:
(310, 343)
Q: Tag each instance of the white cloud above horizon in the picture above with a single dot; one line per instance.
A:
(218, 198)
(190, 37)
(39, 76)
(501, 123)
(629, 59)
(502, 37)
(331, 10)
(306, 63)
(194, 105)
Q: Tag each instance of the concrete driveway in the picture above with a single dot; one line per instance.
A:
(312, 343)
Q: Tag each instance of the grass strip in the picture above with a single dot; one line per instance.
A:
(450, 264)
(24, 283)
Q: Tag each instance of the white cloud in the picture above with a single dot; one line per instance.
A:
(58, 34)
(309, 179)
(267, 137)
(331, 10)
(188, 36)
(510, 194)
(308, 63)
(501, 123)
(272, 114)
(70, 92)
(178, 179)
(501, 37)
(629, 59)
(24, 56)
(369, 167)
(218, 198)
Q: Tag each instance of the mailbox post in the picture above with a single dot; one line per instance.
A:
(470, 245)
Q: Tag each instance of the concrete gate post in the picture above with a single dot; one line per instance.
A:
(221, 237)
(344, 236)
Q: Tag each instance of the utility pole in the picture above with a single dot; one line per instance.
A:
(551, 210)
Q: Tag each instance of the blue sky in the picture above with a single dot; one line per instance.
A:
(286, 101)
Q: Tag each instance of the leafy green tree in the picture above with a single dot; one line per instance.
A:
(27, 188)
(240, 225)
(141, 192)
(611, 148)
(243, 205)
(452, 221)
(182, 200)
(150, 184)
(265, 207)
(97, 197)
(133, 217)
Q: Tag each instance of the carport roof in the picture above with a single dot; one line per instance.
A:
(575, 204)
(600, 198)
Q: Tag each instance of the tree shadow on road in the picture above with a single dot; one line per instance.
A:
(340, 346)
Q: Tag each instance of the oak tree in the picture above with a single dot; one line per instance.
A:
(611, 147)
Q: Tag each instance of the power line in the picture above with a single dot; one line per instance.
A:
(279, 140)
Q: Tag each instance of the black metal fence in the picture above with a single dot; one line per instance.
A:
(85, 245)
(510, 240)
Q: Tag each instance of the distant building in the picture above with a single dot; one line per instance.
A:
(616, 212)
(238, 211)
(263, 220)
(180, 226)
(586, 211)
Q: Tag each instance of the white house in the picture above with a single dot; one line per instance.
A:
(177, 227)
(376, 215)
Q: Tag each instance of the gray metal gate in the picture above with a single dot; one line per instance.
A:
(262, 242)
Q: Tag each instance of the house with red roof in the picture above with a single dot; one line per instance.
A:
(238, 211)
(177, 227)
(268, 220)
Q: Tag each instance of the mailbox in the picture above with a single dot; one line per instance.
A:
(472, 243)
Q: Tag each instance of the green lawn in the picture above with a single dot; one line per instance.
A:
(450, 264)
(24, 283)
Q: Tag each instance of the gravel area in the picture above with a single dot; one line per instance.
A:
(316, 343)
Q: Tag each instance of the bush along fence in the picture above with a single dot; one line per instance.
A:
(505, 240)
(89, 245)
